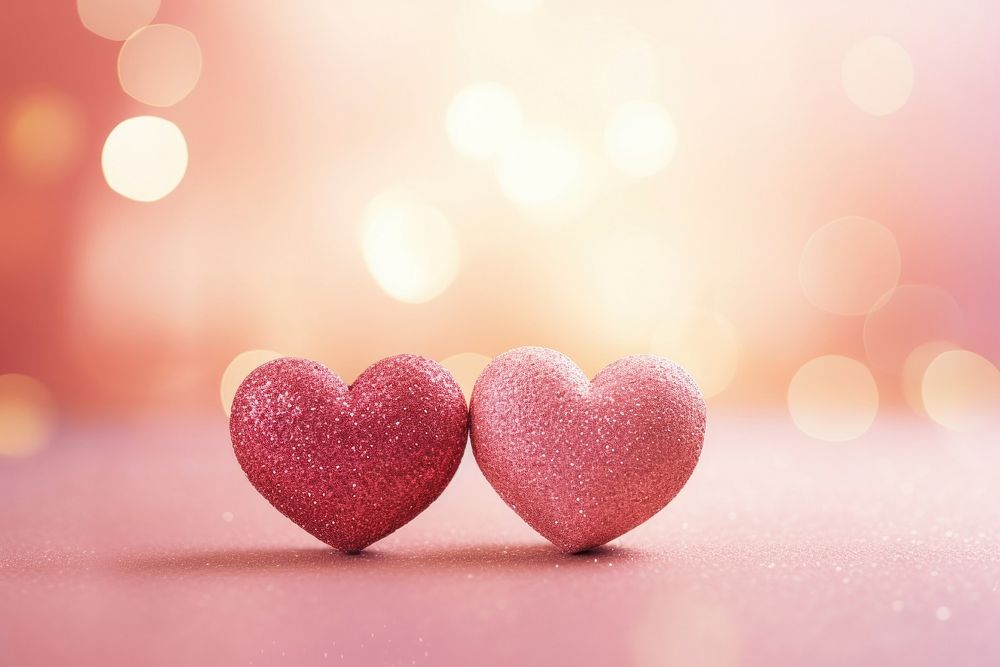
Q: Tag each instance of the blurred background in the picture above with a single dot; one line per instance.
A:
(797, 201)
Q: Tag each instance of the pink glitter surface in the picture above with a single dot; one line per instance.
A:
(144, 544)
(350, 465)
(584, 462)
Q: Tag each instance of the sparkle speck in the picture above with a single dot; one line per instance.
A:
(942, 613)
(227, 517)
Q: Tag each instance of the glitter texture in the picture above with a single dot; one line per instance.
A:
(350, 464)
(583, 462)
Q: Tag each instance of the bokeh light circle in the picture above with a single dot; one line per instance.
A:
(44, 134)
(116, 19)
(907, 317)
(878, 75)
(410, 248)
(465, 367)
(961, 391)
(706, 344)
(543, 166)
(238, 369)
(482, 119)
(144, 158)
(833, 398)
(159, 64)
(640, 138)
(914, 368)
(27, 415)
(848, 265)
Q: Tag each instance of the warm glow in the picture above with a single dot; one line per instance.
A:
(144, 158)
(116, 19)
(43, 134)
(640, 139)
(542, 167)
(961, 390)
(878, 75)
(238, 369)
(833, 398)
(514, 6)
(159, 64)
(410, 248)
(915, 366)
(906, 318)
(606, 179)
(633, 276)
(626, 63)
(705, 344)
(482, 119)
(27, 415)
(176, 272)
(848, 264)
(465, 368)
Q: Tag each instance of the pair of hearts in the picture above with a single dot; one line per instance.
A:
(581, 462)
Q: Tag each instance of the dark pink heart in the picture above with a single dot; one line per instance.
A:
(583, 462)
(349, 464)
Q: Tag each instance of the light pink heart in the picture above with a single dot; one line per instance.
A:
(350, 464)
(583, 462)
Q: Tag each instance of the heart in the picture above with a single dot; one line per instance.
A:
(349, 464)
(584, 462)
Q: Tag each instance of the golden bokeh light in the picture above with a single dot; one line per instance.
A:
(705, 343)
(44, 134)
(961, 391)
(915, 366)
(410, 248)
(640, 138)
(906, 318)
(116, 19)
(465, 368)
(144, 158)
(27, 415)
(848, 265)
(543, 166)
(878, 75)
(159, 64)
(833, 398)
(238, 369)
(482, 119)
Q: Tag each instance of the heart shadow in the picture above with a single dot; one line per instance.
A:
(485, 558)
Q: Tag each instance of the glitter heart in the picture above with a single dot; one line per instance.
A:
(349, 464)
(583, 462)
